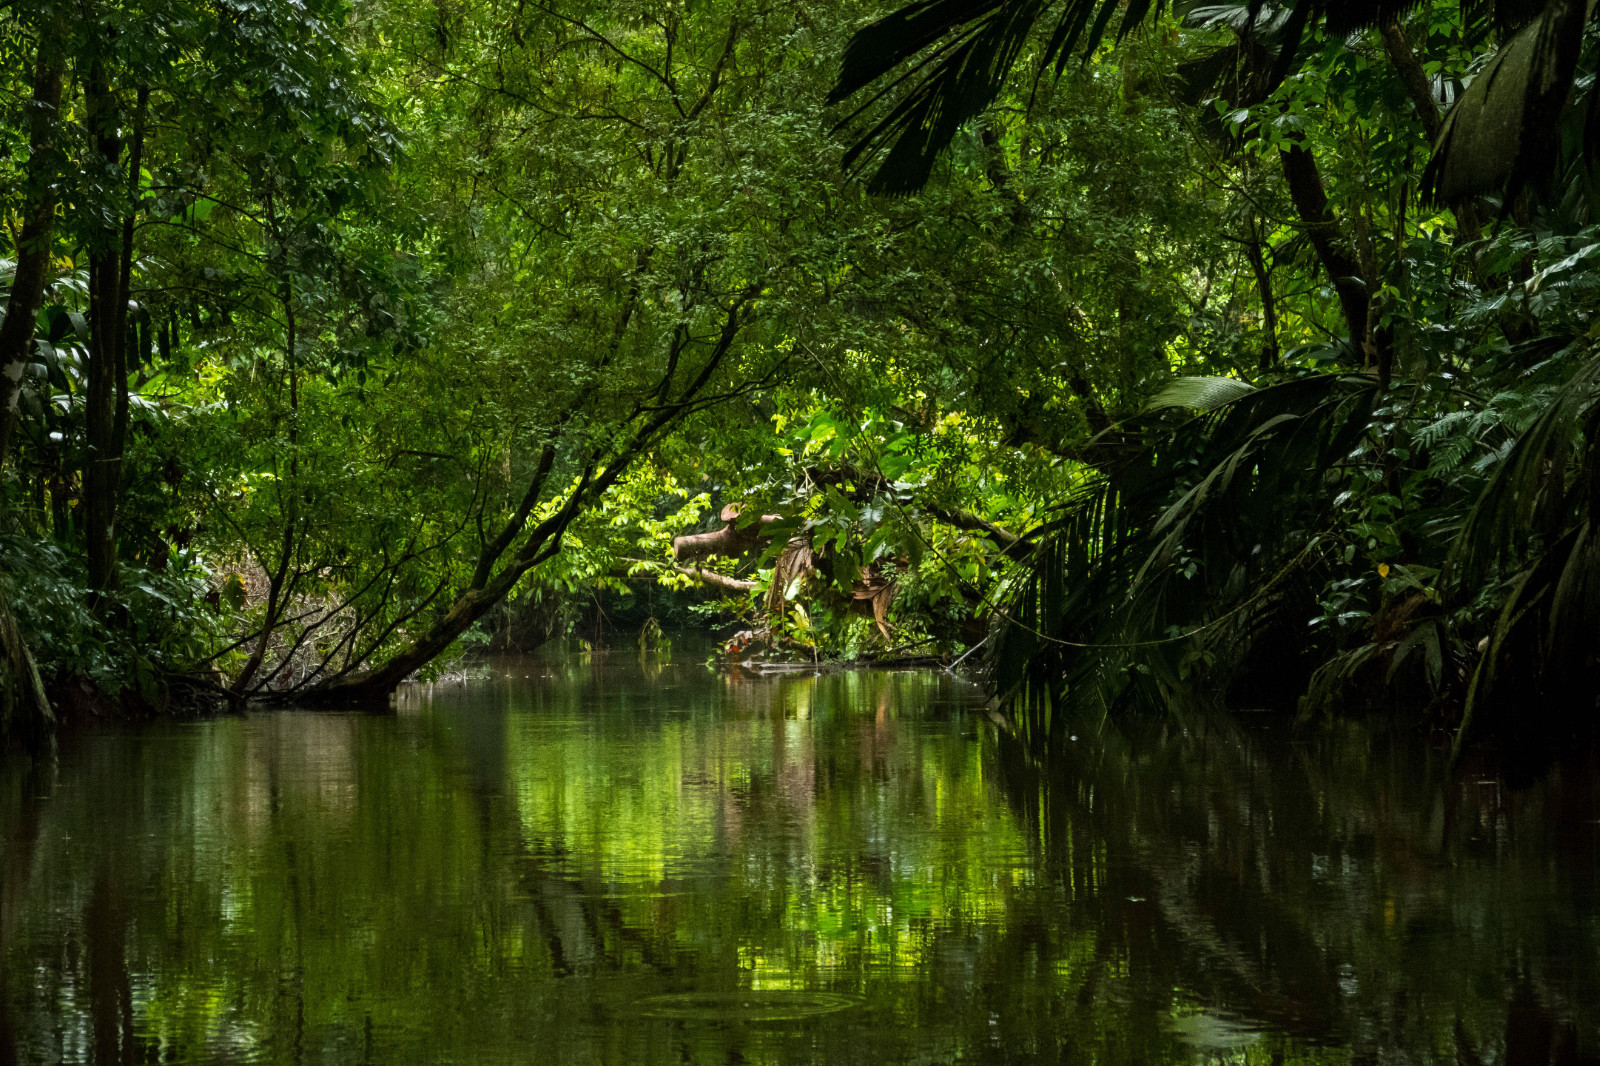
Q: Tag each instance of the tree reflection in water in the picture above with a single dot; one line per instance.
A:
(526, 869)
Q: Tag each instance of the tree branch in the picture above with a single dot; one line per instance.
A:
(707, 577)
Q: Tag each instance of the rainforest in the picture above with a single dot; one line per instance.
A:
(739, 531)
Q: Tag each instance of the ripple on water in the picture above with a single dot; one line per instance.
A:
(771, 1005)
(1214, 1031)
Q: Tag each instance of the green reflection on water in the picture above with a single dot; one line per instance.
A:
(605, 861)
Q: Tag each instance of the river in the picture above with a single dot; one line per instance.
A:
(607, 859)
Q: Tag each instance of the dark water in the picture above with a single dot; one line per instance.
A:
(614, 862)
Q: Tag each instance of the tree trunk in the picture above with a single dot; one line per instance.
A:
(25, 712)
(1419, 88)
(375, 685)
(38, 232)
(106, 399)
(1269, 305)
(276, 602)
(1412, 76)
(489, 587)
(1333, 249)
(102, 470)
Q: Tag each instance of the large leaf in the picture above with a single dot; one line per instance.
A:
(1503, 131)
(877, 49)
(1200, 393)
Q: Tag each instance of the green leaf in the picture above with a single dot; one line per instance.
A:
(1200, 393)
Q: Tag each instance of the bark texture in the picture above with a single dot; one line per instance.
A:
(1322, 229)
(709, 578)
(1420, 89)
(110, 275)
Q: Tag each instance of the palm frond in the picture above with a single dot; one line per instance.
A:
(877, 49)
(953, 57)
(1536, 529)
(973, 45)
(1503, 132)
(1527, 495)
(1201, 528)
(1200, 393)
(960, 85)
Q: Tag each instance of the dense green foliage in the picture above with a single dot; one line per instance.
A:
(343, 336)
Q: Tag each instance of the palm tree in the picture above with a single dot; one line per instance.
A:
(942, 62)
(1185, 559)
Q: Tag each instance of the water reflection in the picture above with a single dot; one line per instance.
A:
(601, 861)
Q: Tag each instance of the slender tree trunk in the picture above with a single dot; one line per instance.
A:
(269, 623)
(24, 710)
(99, 490)
(490, 586)
(38, 230)
(1412, 76)
(119, 430)
(106, 399)
(1269, 305)
(1332, 247)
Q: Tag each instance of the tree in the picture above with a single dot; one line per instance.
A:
(628, 203)
(1499, 137)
